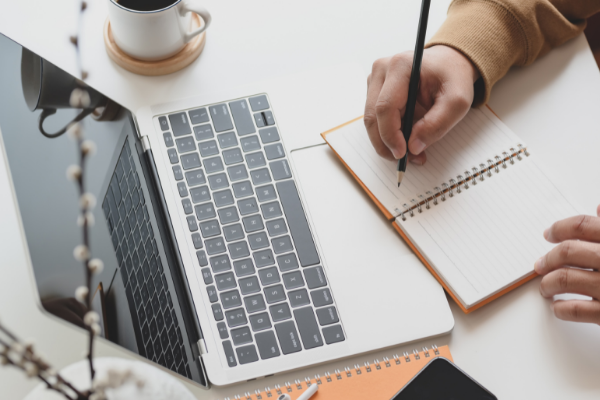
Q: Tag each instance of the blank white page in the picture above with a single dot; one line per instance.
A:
(488, 237)
(478, 137)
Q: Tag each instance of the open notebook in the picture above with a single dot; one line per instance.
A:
(474, 213)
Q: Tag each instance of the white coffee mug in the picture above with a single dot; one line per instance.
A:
(155, 35)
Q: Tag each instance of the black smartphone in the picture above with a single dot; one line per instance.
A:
(442, 380)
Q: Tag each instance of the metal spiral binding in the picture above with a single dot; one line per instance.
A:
(357, 369)
(386, 360)
(348, 373)
(377, 365)
(461, 182)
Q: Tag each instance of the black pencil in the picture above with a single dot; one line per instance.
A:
(413, 87)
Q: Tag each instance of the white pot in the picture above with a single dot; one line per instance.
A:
(158, 385)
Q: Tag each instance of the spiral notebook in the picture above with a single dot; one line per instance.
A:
(379, 380)
(474, 213)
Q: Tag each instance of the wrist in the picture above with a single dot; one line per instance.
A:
(461, 61)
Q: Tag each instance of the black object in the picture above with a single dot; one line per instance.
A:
(413, 87)
(442, 380)
(145, 5)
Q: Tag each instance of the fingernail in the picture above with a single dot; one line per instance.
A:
(416, 161)
(397, 154)
(539, 265)
(417, 146)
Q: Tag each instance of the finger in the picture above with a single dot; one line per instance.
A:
(582, 227)
(570, 253)
(419, 159)
(447, 111)
(375, 82)
(598, 211)
(571, 280)
(392, 102)
(577, 310)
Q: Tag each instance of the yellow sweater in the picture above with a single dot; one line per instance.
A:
(498, 34)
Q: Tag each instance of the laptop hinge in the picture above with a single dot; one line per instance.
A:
(145, 143)
(200, 349)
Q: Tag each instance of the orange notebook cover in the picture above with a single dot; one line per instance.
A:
(379, 380)
(390, 217)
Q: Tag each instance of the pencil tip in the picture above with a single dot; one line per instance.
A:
(400, 176)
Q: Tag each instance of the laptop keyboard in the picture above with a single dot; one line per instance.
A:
(262, 273)
(157, 330)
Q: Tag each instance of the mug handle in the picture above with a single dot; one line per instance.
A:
(195, 7)
(51, 111)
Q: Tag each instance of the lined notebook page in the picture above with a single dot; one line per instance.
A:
(478, 137)
(489, 236)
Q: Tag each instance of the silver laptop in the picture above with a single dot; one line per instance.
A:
(232, 250)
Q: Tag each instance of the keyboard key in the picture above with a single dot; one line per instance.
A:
(274, 294)
(253, 223)
(232, 156)
(333, 334)
(227, 140)
(202, 260)
(197, 241)
(215, 246)
(244, 267)
(266, 193)
(228, 215)
(259, 103)
(298, 225)
(276, 227)
(269, 276)
(288, 337)
(238, 250)
(249, 285)
(186, 144)
(267, 345)
(269, 135)
(255, 303)
(198, 116)
(177, 172)
(180, 124)
(236, 317)
(282, 244)
(162, 121)
(280, 170)
(229, 354)
(200, 194)
(207, 276)
(315, 277)
(231, 299)
(269, 118)
(309, 330)
(260, 322)
(274, 151)
(223, 198)
(217, 312)
(250, 143)
(221, 118)
(255, 160)
(192, 224)
(220, 263)
(263, 258)
(210, 228)
(225, 281)
(298, 298)
(260, 176)
(214, 164)
(223, 333)
(280, 312)
(293, 280)
(241, 336)
(173, 157)
(233, 232)
(203, 132)
(205, 211)
(241, 117)
(168, 139)
(195, 177)
(208, 148)
(212, 294)
(242, 189)
(260, 120)
(237, 173)
(271, 210)
(190, 161)
(321, 297)
(187, 206)
(258, 240)
(218, 181)
(247, 354)
(248, 206)
(327, 316)
(182, 189)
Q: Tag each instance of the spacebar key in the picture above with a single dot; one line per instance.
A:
(288, 194)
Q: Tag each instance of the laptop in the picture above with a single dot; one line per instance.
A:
(232, 249)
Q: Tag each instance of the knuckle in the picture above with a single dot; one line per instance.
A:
(581, 224)
(574, 311)
(565, 249)
(382, 107)
(461, 101)
(401, 59)
(379, 64)
(563, 279)
(370, 120)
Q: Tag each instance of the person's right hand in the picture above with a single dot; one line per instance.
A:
(445, 96)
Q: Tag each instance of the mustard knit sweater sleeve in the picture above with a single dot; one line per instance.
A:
(498, 34)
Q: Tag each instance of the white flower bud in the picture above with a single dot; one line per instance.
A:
(73, 172)
(96, 265)
(87, 201)
(31, 369)
(75, 131)
(81, 253)
(81, 293)
(16, 347)
(88, 148)
(96, 328)
(91, 317)
(79, 98)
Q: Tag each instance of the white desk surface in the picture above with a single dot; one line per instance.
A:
(514, 346)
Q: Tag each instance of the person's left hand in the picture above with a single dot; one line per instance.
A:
(573, 267)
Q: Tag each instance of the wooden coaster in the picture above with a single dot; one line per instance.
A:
(185, 57)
